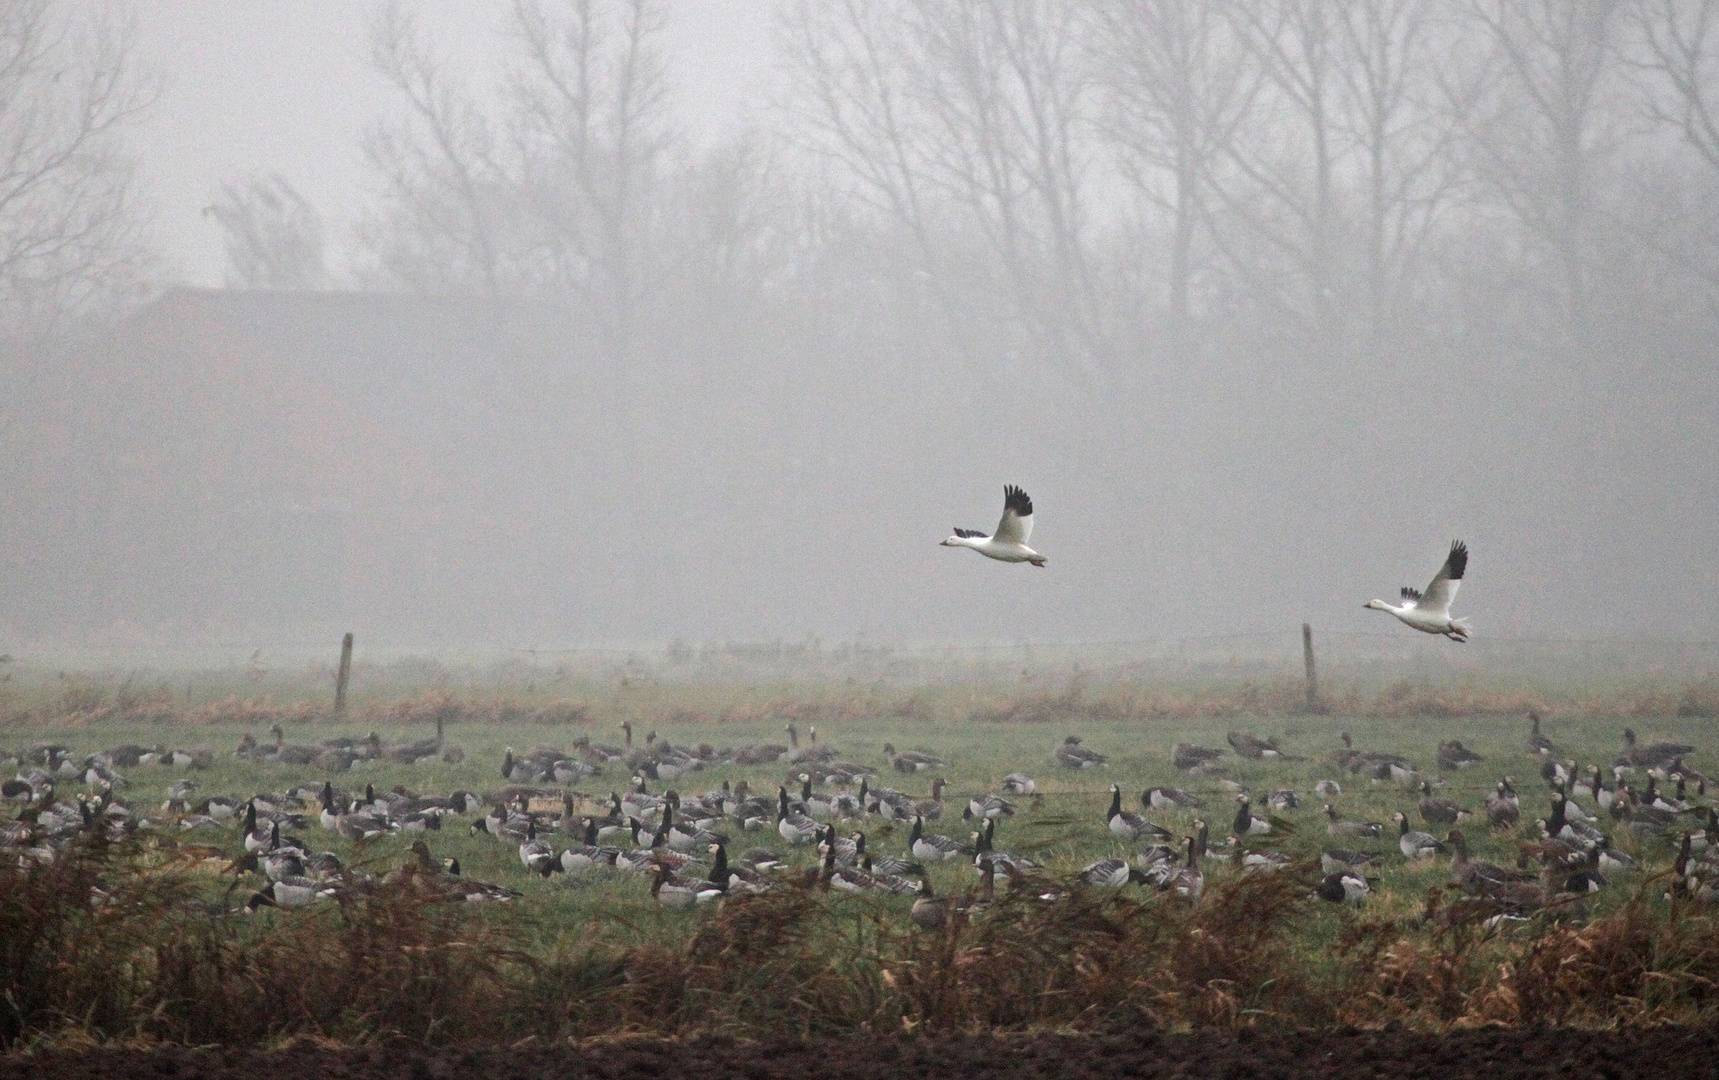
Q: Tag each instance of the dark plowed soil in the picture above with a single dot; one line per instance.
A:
(1662, 1054)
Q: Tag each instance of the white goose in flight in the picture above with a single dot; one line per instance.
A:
(1010, 543)
(1430, 612)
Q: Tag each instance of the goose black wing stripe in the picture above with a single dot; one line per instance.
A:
(1457, 562)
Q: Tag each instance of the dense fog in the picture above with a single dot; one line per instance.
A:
(1264, 302)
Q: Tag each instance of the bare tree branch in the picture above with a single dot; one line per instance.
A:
(273, 237)
(69, 211)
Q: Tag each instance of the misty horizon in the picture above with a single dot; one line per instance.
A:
(1260, 337)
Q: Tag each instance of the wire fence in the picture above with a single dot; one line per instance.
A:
(1262, 653)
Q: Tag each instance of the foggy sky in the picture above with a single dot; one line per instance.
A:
(749, 402)
(286, 86)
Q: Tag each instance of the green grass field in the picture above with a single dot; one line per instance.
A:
(589, 939)
(1064, 828)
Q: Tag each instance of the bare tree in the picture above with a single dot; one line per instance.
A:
(848, 78)
(273, 236)
(446, 196)
(1179, 84)
(1290, 159)
(590, 118)
(967, 120)
(1404, 127)
(1682, 50)
(69, 210)
(1541, 141)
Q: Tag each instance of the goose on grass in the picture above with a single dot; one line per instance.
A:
(1246, 824)
(1467, 873)
(929, 911)
(1538, 744)
(795, 827)
(1370, 830)
(1503, 809)
(1169, 798)
(1342, 860)
(933, 848)
(1436, 809)
(1343, 887)
(534, 854)
(680, 893)
(1429, 612)
(1414, 844)
(1010, 542)
(1130, 826)
(1072, 755)
(1019, 784)
(1107, 873)
(1187, 882)
(990, 807)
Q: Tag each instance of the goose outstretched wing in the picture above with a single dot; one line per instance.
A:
(1442, 590)
(1017, 523)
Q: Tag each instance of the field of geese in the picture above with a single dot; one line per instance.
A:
(636, 833)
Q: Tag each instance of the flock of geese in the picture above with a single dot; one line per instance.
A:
(849, 820)
(681, 842)
(1425, 610)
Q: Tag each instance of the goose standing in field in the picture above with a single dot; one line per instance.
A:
(1010, 543)
(585, 853)
(843, 878)
(458, 887)
(984, 848)
(1415, 845)
(255, 839)
(1187, 882)
(289, 893)
(536, 855)
(1263, 859)
(932, 809)
(1538, 744)
(1430, 612)
(1503, 808)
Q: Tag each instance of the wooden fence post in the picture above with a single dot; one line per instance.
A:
(1312, 672)
(345, 675)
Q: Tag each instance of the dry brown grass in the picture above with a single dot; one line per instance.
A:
(1060, 701)
(94, 948)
